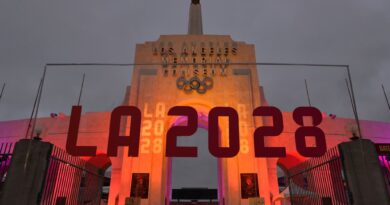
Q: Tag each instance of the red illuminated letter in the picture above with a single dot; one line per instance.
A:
(260, 133)
(71, 143)
(116, 139)
(214, 140)
(302, 132)
(192, 125)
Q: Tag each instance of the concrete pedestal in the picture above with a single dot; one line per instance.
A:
(363, 173)
(26, 174)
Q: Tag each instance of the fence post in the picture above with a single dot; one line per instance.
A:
(26, 174)
(290, 181)
(362, 170)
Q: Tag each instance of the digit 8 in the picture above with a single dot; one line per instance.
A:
(302, 132)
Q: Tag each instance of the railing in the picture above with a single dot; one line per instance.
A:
(71, 181)
(319, 181)
(5, 159)
(385, 165)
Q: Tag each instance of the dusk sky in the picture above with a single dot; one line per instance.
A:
(353, 32)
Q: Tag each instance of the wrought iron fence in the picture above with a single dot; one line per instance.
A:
(71, 181)
(319, 181)
(385, 165)
(5, 159)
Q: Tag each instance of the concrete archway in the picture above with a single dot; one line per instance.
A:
(203, 110)
(103, 162)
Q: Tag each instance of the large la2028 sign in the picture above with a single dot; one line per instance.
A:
(172, 150)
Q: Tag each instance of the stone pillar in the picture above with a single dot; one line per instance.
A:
(26, 174)
(363, 173)
(195, 25)
(114, 186)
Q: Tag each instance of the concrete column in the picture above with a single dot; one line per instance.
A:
(195, 25)
(363, 173)
(26, 174)
(273, 178)
(114, 187)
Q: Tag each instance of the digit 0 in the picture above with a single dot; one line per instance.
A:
(214, 135)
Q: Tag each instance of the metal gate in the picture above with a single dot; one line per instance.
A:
(5, 160)
(319, 181)
(383, 151)
(385, 166)
(71, 181)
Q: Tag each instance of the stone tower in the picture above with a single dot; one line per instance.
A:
(195, 25)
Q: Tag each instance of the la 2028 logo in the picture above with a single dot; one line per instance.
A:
(172, 150)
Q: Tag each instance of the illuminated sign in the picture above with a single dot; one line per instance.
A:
(132, 141)
(383, 149)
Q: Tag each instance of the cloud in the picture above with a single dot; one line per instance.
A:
(354, 32)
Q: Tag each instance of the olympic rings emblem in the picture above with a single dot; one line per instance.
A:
(201, 86)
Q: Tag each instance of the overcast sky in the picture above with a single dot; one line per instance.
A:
(354, 32)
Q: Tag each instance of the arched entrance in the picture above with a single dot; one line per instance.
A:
(195, 175)
(103, 162)
(282, 166)
(203, 125)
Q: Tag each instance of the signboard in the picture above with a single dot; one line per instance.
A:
(249, 186)
(140, 185)
(383, 149)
